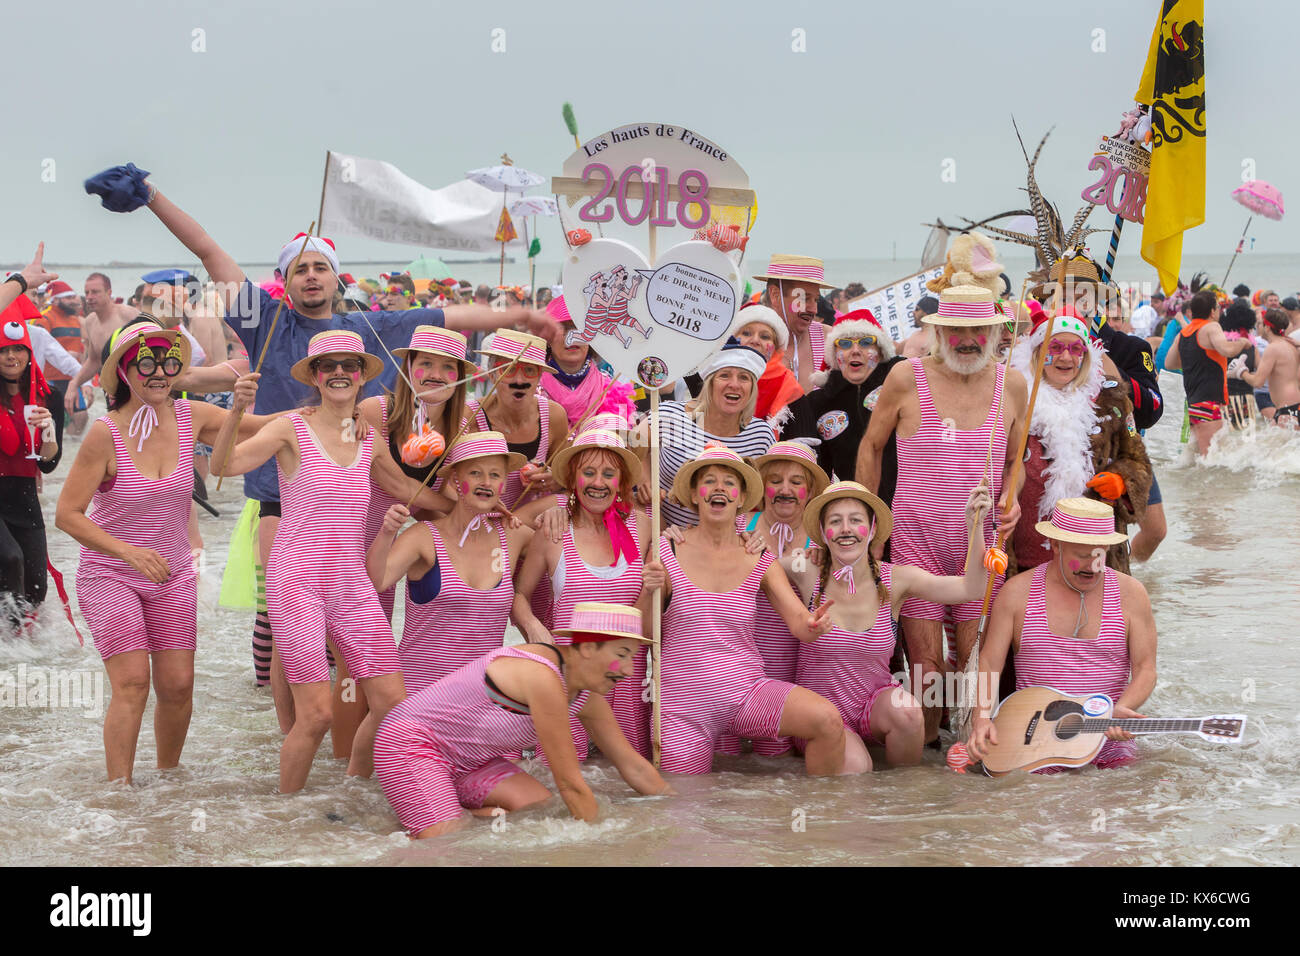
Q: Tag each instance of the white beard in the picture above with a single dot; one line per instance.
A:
(968, 365)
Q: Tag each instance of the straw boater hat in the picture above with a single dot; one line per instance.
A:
(796, 269)
(610, 620)
(433, 340)
(964, 305)
(132, 337)
(718, 455)
(509, 344)
(336, 342)
(481, 445)
(596, 438)
(800, 454)
(1082, 521)
(812, 516)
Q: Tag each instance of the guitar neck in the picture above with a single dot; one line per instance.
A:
(1143, 725)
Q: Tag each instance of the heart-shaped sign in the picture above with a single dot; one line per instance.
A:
(652, 325)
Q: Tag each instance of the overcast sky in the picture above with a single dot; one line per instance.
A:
(845, 143)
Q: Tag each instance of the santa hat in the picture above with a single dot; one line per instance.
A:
(858, 324)
(14, 331)
(1067, 320)
(289, 251)
(59, 289)
(768, 316)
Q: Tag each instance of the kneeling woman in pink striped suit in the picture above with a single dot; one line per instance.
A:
(712, 674)
(443, 748)
(316, 584)
(136, 584)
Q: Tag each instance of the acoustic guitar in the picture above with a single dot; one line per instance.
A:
(1041, 727)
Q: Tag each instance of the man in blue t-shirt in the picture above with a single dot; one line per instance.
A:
(310, 287)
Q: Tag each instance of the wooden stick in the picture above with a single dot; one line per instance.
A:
(324, 180)
(239, 416)
(656, 605)
(447, 451)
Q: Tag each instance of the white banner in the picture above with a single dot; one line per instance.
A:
(371, 198)
(892, 305)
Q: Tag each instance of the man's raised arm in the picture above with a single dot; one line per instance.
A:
(223, 270)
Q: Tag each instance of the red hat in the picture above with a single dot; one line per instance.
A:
(14, 331)
(60, 288)
(860, 323)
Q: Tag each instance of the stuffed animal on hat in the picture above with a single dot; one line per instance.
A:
(975, 256)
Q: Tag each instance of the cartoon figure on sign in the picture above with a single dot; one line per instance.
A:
(608, 296)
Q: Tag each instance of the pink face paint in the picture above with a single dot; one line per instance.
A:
(1075, 565)
(771, 492)
(982, 340)
(801, 492)
(863, 531)
(355, 376)
(954, 340)
(615, 668)
(464, 487)
(417, 374)
(733, 492)
(704, 492)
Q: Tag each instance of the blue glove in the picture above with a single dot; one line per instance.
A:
(121, 188)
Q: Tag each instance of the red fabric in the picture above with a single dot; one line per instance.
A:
(14, 331)
(859, 315)
(777, 387)
(619, 537)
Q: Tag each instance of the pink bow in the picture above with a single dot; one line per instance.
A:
(619, 537)
(845, 574)
(478, 521)
(143, 422)
(784, 534)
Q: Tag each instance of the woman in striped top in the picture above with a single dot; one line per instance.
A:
(531, 422)
(459, 569)
(136, 584)
(316, 588)
(723, 414)
(850, 665)
(1075, 625)
(712, 679)
(602, 555)
(443, 748)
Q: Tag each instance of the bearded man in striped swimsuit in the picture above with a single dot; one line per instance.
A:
(957, 416)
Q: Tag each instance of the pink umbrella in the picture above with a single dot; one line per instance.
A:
(1261, 198)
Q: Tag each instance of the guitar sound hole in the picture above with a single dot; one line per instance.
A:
(1059, 708)
(1069, 726)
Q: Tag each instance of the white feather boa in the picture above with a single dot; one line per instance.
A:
(1064, 422)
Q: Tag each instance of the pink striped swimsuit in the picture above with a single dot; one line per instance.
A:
(442, 748)
(316, 582)
(124, 609)
(937, 468)
(460, 624)
(576, 582)
(1078, 667)
(851, 668)
(711, 677)
(510, 495)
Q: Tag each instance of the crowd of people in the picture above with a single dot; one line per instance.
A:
(834, 506)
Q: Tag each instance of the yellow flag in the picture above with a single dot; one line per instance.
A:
(1173, 85)
(505, 228)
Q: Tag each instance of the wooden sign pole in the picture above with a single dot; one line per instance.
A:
(656, 604)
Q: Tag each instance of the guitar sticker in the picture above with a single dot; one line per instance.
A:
(1096, 705)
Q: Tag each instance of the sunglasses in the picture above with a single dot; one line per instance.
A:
(527, 370)
(847, 343)
(147, 362)
(350, 366)
(1076, 349)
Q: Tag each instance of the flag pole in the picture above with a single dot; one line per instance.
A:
(324, 180)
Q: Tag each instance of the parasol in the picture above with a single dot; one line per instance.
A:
(505, 178)
(1262, 199)
(533, 206)
(427, 267)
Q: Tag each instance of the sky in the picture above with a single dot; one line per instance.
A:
(846, 142)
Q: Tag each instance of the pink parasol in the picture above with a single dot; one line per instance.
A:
(1260, 198)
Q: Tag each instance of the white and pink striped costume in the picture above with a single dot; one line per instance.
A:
(124, 609)
(380, 502)
(442, 748)
(459, 625)
(851, 668)
(711, 678)
(1078, 667)
(512, 492)
(937, 468)
(316, 583)
(575, 581)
